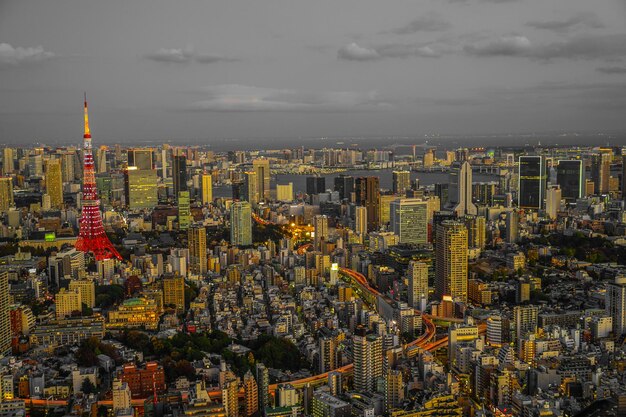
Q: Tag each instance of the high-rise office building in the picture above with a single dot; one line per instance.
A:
(360, 223)
(174, 292)
(196, 237)
(263, 382)
(327, 350)
(344, 185)
(451, 260)
(184, 210)
(5, 324)
(206, 190)
(263, 175)
(570, 176)
(284, 192)
(141, 188)
(367, 191)
(553, 202)
(409, 220)
(320, 227)
(240, 223)
(6, 193)
(250, 192)
(476, 231)
(315, 185)
(401, 181)
(8, 163)
(68, 166)
(601, 170)
(87, 290)
(616, 304)
(460, 189)
(526, 320)
(179, 172)
(512, 226)
(54, 183)
(250, 395)
(623, 176)
(417, 274)
(429, 158)
(140, 158)
(367, 350)
(532, 182)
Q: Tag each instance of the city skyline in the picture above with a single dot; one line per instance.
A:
(205, 71)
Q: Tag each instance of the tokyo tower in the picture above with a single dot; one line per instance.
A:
(91, 237)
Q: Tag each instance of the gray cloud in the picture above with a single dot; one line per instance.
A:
(355, 52)
(14, 56)
(581, 47)
(432, 22)
(585, 19)
(242, 98)
(612, 70)
(181, 56)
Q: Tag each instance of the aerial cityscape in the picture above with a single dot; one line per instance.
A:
(313, 247)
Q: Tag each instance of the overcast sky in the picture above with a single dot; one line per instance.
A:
(159, 70)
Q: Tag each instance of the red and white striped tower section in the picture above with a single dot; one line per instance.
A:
(92, 237)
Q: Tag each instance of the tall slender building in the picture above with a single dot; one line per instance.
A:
(401, 181)
(6, 193)
(553, 202)
(262, 169)
(320, 226)
(344, 184)
(367, 350)
(263, 382)
(417, 273)
(460, 189)
(532, 182)
(360, 224)
(179, 172)
(367, 191)
(409, 220)
(250, 188)
(240, 223)
(92, 237)
(207, 189)
(601, 170)
(570, 176)
(451, 260)
(196, 237)
(623, 176)
(5, 325)
(8, 165)
(616, 304)
(250, 394)
(54, 183)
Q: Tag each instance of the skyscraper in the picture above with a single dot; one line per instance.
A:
(140, 158)
(179, 172)
(8, 164)
(451, 260)
(401, 181)
(417, 273)
(616, 304)
(526, 320)
(367, 191)
(327, 350)
(344, 184)
(250, 188)
(460, 189)
(184, 210)
(315, 185)
(250, 394)
(5, 325)
(476, 231)
(553, 202)
(532, 182)
(367, 350)
(263, 175)
(512, 226)
(360, 224)
(320, 226)
(54, 183)
(284, 192)
(240, 223)
(263, 381)
(141, 188)
(230, 397)
(570, 176)
(409, 220)
(6, 193)
(196, 237)
(207, 189)
(624, 177)
(601, 170)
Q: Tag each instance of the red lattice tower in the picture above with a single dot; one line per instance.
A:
(92, 237)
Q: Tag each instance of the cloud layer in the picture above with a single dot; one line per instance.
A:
(186, 55)
(242, 98)
(432, 22)
(355, 52)
(585, 19)
(14, 56)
